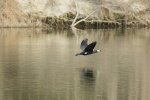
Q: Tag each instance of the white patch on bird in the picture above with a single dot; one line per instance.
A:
(85, 53)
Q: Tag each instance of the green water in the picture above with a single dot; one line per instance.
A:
(41, 65)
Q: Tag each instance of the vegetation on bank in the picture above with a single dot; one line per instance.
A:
(65, 22)
(63, 14)
(107, 15)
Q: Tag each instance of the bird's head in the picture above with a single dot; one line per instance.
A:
(96, 51)
(99, 50)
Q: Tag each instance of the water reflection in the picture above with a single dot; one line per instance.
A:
(88, 73)
(40, 65)
(87, 83)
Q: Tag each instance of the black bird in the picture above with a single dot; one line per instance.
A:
(87, 49)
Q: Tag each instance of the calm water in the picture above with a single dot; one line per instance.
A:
(36, 65)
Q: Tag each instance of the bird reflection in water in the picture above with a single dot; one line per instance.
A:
(87, 83)
(88, 74)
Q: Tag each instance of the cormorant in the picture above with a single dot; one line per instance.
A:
(86, 48)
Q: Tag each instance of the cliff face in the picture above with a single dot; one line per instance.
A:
(23, 13)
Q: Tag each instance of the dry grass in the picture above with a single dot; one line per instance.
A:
(14, 14)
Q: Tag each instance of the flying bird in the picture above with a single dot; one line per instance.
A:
(86, 48)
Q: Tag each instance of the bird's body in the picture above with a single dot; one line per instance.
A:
(87, 49)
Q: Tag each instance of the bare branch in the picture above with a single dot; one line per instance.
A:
(77, 9)
(83, 19)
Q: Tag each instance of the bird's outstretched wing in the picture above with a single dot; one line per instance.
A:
(90, 47)
(84, 44)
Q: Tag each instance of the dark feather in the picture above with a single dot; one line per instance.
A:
(84, 44)
(90, 47)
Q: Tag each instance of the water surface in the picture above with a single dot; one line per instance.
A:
(41, 65)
